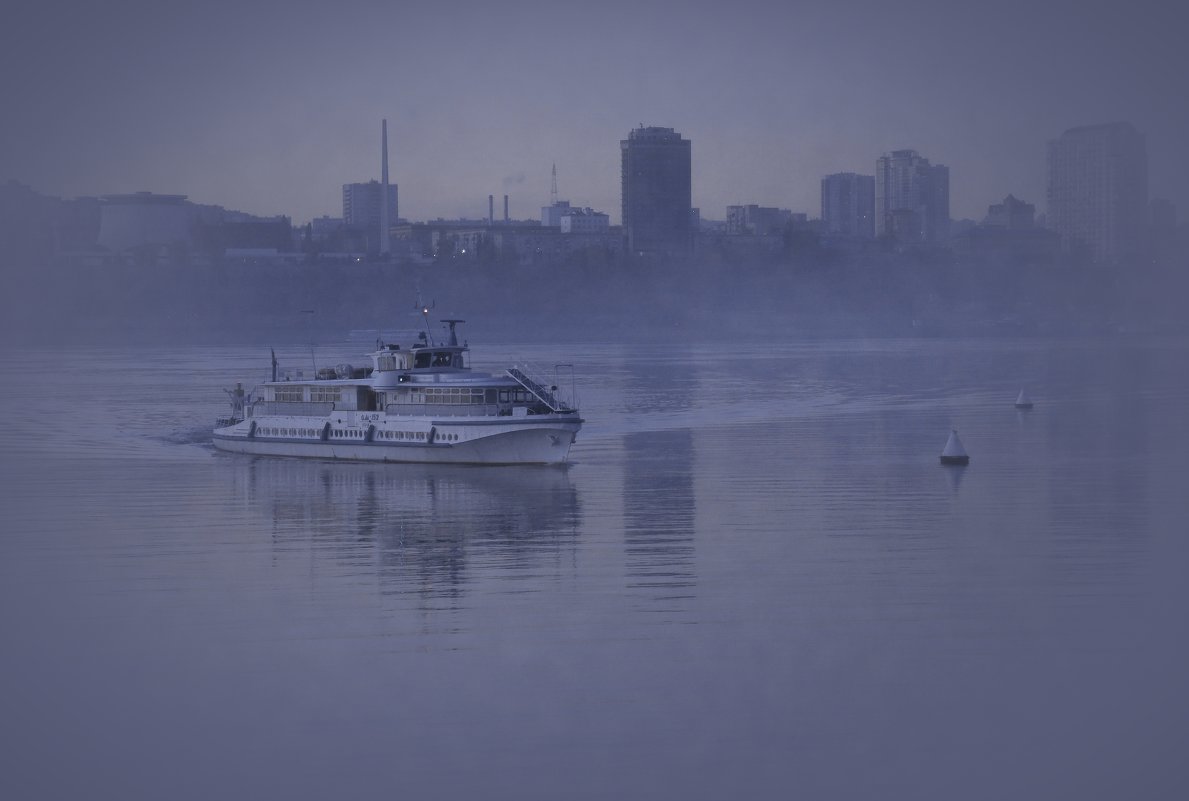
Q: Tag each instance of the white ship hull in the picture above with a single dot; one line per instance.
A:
(454, 441)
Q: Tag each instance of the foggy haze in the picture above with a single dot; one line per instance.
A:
(753, 578)
(270, 107)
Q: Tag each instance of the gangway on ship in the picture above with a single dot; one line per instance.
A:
(549, 393)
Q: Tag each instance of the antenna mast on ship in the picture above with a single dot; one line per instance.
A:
(313, 361)
(425, 308)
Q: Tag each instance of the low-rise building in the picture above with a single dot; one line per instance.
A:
(757, 220)
(584, 221)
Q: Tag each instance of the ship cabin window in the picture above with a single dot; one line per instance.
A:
(386, 363)
(324, 394)
(436, 358)
(289, 394)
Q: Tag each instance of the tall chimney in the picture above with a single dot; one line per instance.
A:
(490, 209)
(505, 208)
(384, 233)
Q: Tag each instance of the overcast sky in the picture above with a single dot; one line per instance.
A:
(269, 107)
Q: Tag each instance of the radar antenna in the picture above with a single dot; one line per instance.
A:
(453, 335)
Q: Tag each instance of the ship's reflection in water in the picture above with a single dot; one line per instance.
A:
(659, 502)
(659, 509)
(421, 529)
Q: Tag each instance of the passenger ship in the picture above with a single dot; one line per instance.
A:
(417, 404)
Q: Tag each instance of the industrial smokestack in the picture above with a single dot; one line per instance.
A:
(384, 233)
(490, 209)
(505, 208)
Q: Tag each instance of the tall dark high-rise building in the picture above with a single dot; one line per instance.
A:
(848, 205)
(1098, 190)
(912, 198)
(657, 191)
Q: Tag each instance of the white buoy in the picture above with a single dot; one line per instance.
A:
(1023, 401)
(953, 452)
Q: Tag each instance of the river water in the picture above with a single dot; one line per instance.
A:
(753, 581)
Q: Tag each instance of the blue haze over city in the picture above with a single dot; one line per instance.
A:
(256, 124)
(784, 254)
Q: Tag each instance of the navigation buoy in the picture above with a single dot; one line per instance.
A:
(1023, 401)
(953, 452)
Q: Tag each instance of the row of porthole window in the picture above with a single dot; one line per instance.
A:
(289, 432)
(400, 435)
(351, 434)
(419, 435)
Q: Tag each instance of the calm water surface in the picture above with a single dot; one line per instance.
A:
(754, 581)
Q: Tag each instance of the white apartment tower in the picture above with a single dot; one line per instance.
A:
(848, 205)
(912, 198)
(364, 206)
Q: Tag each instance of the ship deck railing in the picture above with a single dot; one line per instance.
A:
(298, 408)
(443, 409)
(462, 410)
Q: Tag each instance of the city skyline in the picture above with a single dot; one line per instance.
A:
(274, 114)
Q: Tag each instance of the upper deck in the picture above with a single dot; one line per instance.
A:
(427, 378)
(392, 366)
